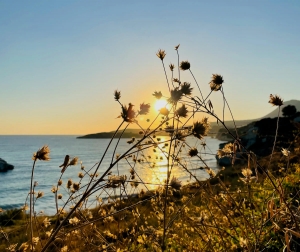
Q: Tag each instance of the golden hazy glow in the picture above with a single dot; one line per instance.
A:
(160, 104)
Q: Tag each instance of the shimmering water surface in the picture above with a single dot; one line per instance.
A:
(18, 150)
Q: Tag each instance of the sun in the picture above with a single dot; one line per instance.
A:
(160, 104)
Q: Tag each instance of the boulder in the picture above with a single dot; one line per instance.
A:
(4, 166)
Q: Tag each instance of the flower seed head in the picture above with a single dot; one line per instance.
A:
(216, 82)
(42, 154)
(74, 161)
(186, 88)
(128, 114)
(176, 47)
(161, 54)
(193, 152)
(172, 67)
(144, 109)
(275, 100)
(157, 95)
(117, 95)
(182, 111)
(201, 128)
(176, 95)
(185, 65)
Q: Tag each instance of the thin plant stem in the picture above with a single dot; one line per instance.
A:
(276, 133)
(31, 201)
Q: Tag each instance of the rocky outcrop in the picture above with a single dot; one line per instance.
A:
(4, 166)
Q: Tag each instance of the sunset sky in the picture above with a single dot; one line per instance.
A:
(60, 61)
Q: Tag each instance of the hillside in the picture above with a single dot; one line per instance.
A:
(214, 131)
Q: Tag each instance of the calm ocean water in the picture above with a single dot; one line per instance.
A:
(18, 150)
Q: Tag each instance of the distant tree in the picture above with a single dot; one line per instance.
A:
(289, 111)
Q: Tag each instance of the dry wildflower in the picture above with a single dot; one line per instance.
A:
(60, 182)
(182, 111)
(285, 152)
(54, 189)
(243, 242)
(144, 109)
(25, 207)
(177, 80)
(193, 152)
(12, 247)
(176, 47)
(175, 183)
(24, 246)
(42, 154)
(59, 196)
(176, 95)
(64, 249)
(247, 174)
(117, 95)
(275, 100)
(186, 88)
(128, 114)
(40, 195)
(185, 65)
(157, 95)
(216, 82)
(46, 222)
(74, 221)
(210, 172)
(74, 161)
(164, 111)
(161, 54)
(172, 67)
(35, 240)
(76, 186)
(201, 128)
(69, 183)
(80, 175)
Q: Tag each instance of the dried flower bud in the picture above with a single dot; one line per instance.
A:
(193, 152)
(182, 111)
(176, 47)
(161, 54)
(40, 195)
(275, 100)
(216, 82)
(157, 95)
(172, 67)
(42, 154)
(186, 88)
(69, 183)
(144, 109)
(201, 128)
(185, 65)
(117, 95)
(74, 161)
(128, 114)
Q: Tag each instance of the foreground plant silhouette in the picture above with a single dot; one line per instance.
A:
(254, 214)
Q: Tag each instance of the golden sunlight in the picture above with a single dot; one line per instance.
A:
(160, 104)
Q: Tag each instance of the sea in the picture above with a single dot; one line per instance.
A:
(18, 151)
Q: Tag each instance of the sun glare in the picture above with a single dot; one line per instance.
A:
(160, 104)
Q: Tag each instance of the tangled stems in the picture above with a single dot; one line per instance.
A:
(31, 202)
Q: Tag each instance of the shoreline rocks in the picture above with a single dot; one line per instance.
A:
(4, 166)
